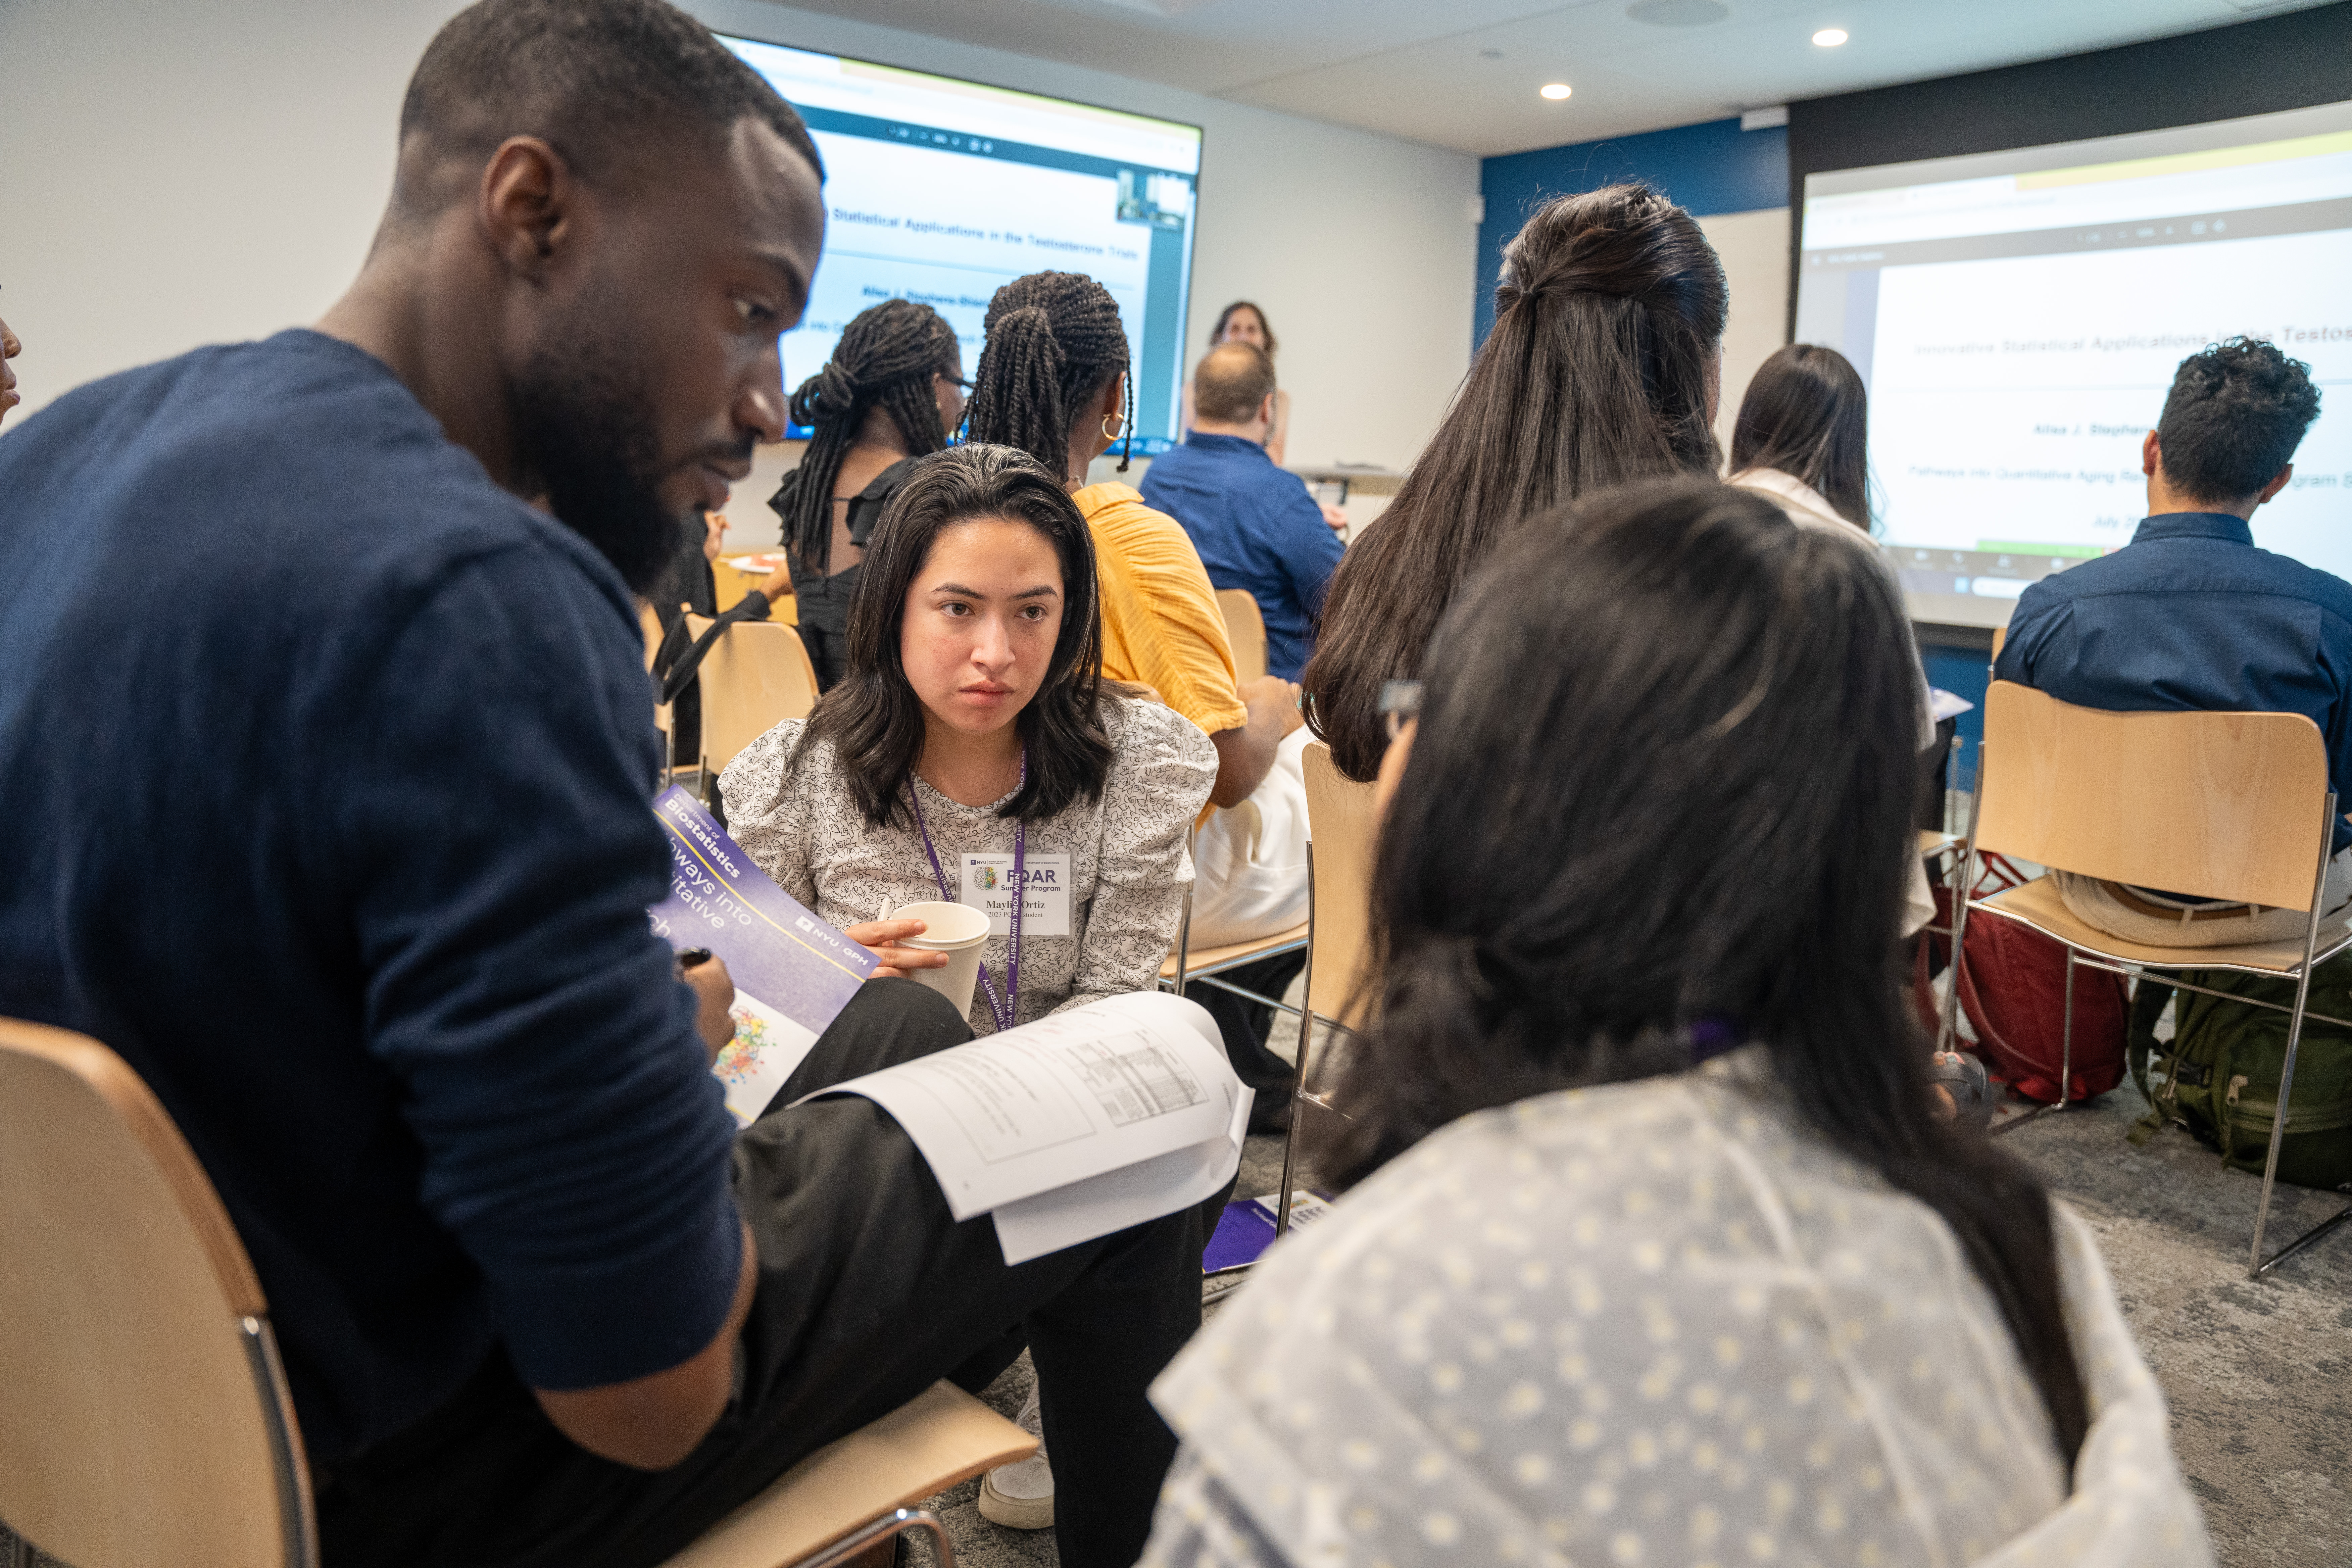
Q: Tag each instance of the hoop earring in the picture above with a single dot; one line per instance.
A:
(1109, 434)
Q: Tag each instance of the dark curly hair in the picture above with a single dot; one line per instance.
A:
(885, 359)
(1599, 369)
(2236, 414)
(873, 717)
(1054, 341)
(1665, 654)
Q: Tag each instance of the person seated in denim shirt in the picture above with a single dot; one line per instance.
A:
(2191, 615)
(1254, 525)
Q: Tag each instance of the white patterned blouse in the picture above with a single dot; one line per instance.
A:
(1652, 1324)
(1123, 854)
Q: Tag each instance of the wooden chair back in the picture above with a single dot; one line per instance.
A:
(1341, 828)
(144, 1421)
(755, 677)
(1999, 637)
(2220, 806)
(649, 623)
(1245, 628)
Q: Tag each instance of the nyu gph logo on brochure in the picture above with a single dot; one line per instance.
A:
(988, 885)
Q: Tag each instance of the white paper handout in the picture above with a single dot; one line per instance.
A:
(1076, 1125)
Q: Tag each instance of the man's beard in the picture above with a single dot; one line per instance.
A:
(585, 435)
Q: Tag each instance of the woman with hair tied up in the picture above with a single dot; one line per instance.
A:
(892, 392)
(1651, 1251)
(1605, 364)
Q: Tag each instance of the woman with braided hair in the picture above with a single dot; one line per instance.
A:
(892, 392)
(1053, 381)
(1603, 366)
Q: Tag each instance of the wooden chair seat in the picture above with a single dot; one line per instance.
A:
(939, 1439)
(1246, 629)
(145, 1421)
(2037, 904)
(1233, 955)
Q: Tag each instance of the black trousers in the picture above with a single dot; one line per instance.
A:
(868, 1293)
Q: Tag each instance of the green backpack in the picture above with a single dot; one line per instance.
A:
(2218, 1074)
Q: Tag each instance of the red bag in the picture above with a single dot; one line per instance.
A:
(2013, 987)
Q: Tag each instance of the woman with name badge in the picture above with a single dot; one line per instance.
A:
(973, 754)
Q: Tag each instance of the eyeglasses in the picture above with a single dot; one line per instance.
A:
(1400, 704)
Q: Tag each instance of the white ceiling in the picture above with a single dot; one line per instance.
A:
(1462, 74)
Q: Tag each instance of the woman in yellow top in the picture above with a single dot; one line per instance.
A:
(1051, 380)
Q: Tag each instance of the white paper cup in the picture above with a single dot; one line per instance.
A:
(956, 930)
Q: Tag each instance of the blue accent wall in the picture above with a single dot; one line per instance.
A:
(1963, 672)
(1714, 167)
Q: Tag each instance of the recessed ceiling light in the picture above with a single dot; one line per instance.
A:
(1556, 90)
(1830, 38)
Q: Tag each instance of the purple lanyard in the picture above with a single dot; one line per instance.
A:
(1001, 1010)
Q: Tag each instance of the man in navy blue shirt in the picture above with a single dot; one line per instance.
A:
(2190, 614)
(345, 846)
(1254, 525)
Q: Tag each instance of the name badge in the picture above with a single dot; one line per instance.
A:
(1046, 910)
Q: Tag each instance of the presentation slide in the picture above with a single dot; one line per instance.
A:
(942, 190)
(2018, 317)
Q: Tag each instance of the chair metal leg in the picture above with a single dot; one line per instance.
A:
(1947, 1031)
(2254, 1264)
(2065, 1064)
(1184, 926)
(2066, 1036)
(1298, 1064)
(897, 1521)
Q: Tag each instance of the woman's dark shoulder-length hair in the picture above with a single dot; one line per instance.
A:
(873, 719)
(1624, 690)
(1217, 333)
(1806, 414)
(1598, 371)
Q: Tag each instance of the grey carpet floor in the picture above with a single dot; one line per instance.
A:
(2259, 1375)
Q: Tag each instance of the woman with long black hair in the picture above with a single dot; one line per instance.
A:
(1802, 438)
(892, 392)
(973, 725)
(1651, 1251)
(1603, 366)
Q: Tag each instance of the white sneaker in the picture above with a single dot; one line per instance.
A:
(1019, 1496)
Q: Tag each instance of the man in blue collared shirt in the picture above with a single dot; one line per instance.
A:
(1254, 525)
(2190, 614)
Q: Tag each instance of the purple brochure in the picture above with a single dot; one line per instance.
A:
(794, 972)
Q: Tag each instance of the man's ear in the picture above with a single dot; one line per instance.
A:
(1265, 411)
(2151, 455)
(2278, 483)
(525, 203)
